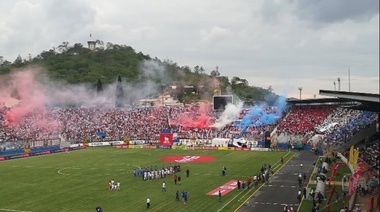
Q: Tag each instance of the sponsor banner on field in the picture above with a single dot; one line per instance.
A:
(122, 146)
(60, 150)
(259, 149)
(224, 189)
(164, 147)
(10, 157)
(17, 156)
(99, 144)
(242, 149)
(222, 148)
(40, 153)
(135, 146)
(117, 142)
(77, 147)
(202, 148)
(179, 147)
(137, 142)
(149, 147)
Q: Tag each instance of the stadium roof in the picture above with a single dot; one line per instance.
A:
(319, 101)
(352, 100)
(365, 101)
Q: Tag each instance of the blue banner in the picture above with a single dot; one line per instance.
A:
(164, 147)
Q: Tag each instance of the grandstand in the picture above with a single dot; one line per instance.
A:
(320, 124)
(332, 121)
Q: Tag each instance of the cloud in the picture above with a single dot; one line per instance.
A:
(327, 12)
(268, 42)
(215, 34)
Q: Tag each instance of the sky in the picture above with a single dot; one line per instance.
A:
(285, 44)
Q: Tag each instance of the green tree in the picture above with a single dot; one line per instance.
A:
(119, 93)
(18, 61)
(99, 86)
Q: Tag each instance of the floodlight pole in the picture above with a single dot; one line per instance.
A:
(349, 80)
(338, 83)
(300, 89)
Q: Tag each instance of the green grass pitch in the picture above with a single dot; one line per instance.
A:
(77, 181)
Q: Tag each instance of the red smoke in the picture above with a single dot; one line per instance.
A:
(200, 118)
(24, 87)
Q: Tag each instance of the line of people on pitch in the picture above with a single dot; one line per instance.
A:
(113, 186)
(149, 173)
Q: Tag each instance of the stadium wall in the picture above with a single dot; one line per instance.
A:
(32, 150)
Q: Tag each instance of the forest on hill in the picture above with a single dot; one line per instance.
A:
(76, 64)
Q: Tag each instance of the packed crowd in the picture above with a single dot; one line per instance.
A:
(198, 122)
(336, 125)
(302, 119)
(352, 123)
(75, 124)
(78, 123)
(370, 155)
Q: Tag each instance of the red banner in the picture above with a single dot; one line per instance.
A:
(166, 139)
(354, 179)
(224, 189)
(123, 146)
(242, 149)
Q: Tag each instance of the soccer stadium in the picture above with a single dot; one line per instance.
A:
(293, 155)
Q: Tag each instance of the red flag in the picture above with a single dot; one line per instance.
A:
(166, 139)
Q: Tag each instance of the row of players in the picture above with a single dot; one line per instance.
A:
(149, 173)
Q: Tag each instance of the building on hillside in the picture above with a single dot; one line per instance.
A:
(162, 100)
(91, 45)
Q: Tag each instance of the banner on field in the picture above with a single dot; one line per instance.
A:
(179, 147)
(222, 148)
(166, 139)
(164, 147)
(259, 149)
(202, 148)
(122, 146)
(224, 189)
(149, 147)
(242, 149)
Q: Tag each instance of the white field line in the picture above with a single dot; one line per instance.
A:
(229, 201)
(241, 192)
(62, 173)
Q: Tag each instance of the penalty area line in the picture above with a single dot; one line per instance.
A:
(11, 210)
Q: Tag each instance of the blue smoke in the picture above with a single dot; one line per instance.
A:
(258, 115)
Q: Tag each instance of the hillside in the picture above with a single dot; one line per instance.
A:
(76, 64)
